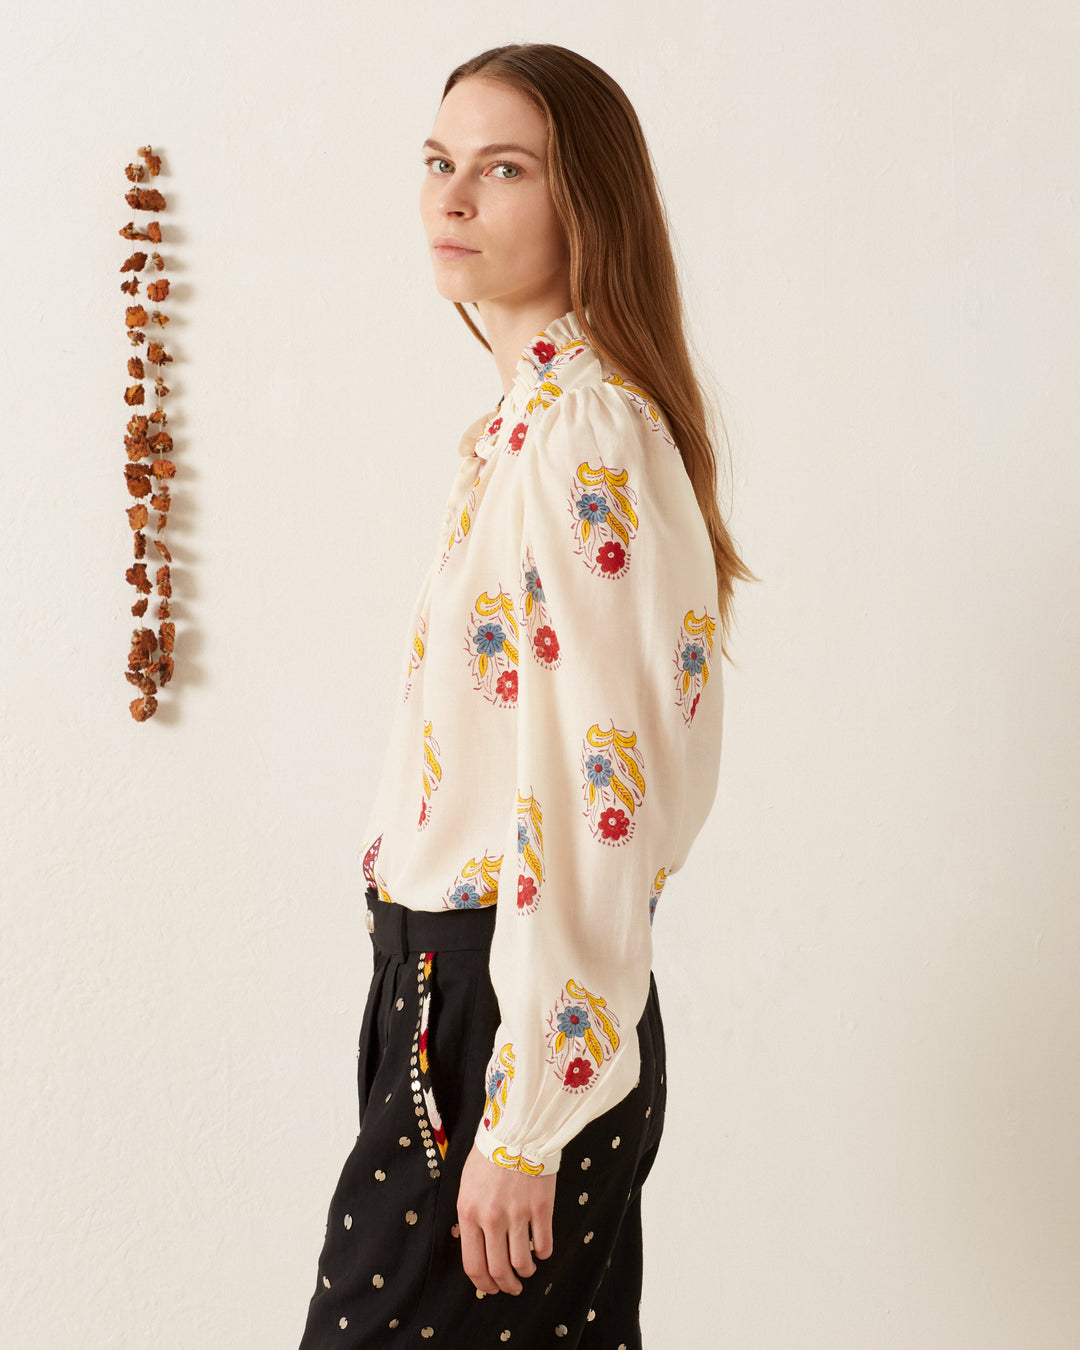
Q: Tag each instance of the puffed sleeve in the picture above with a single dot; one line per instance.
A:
(616, 761)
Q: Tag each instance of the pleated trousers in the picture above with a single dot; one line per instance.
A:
(390, 1272)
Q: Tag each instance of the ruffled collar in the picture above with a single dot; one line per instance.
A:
(532, 367)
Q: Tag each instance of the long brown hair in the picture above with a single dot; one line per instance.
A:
(623, 280)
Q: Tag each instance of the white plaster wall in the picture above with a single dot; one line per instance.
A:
(869, 967)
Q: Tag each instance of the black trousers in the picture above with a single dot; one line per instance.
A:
(390, 1272)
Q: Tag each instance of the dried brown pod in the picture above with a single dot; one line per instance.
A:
(157, 354)
(131, 286)
(162, 669)
(163, 550)
(159, 415)
(162, 521)
(163, 610)
(157, 290)
(160, 387)
(130, 231)
(135, 172)
(136, 576)
(138, 422)
(158, 261)
(144, 644)
(135, 263)
(167, 633)
(136, 337)
(139, 487)
(153, 162)
(139, 607)
(160, 319)
(134, 394)
(141, 679)
(153, 232)
(145, 199)
(161, 442)
(160, 500)
(134, 470)
(136, 316)
(137, 515)
(164, 580)
(142, 708)
(138, 447)
(163, 468)
(140, 544)
(135, 367)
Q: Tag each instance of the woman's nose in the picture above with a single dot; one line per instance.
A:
(455, 199)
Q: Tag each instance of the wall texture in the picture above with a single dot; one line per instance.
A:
(869, 966)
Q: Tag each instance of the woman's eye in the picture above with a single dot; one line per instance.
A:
(515, 171)
(431, 160)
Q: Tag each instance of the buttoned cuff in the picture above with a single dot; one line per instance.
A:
(503, 1154)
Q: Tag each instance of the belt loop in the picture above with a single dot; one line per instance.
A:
(401, 934)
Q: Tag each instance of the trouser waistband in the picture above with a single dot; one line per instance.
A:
(397, 930)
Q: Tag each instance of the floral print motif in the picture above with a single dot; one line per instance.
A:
(542, 640)
(516, 1162)
(416, 655)
(530, 854)
(464, 522)
(582, 1035)
(601, 505)
(492, 647)
(613, 782)
(430, 776)
(517, 439)
(693, 652)
(500, 1074)
(371, 855)
(657, 886)
(640, 400)
(477, 884)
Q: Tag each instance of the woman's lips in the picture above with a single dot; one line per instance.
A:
(452, 251)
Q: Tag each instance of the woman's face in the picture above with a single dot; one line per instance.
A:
(486, 188)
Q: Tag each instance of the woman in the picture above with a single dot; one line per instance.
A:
(554, 751)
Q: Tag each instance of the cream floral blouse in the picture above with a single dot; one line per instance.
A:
(556, 742)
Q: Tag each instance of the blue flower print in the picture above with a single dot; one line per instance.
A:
(489, 638)
(495, 1078)
(592, 507)
(574, 1021)
(693, 658)
(465, 897)
(598, 768)
(532, 584)
(523, 837)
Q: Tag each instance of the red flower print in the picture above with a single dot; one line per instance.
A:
(693, 706)
(546, 644)
(506, 686)
(526, 892)
(494, 426)
(578, 1073)
(423, 814)
(613, 823)
(611, 557)
(516, 437)
(544, 352)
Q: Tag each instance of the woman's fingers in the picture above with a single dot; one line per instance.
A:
(498, 1260)
(542, 1240)
(474, 1258)
(498, 1209)
(521, 1257)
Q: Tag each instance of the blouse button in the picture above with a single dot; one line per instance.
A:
(369, 920)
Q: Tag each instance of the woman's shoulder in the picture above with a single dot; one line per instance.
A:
(590, 401)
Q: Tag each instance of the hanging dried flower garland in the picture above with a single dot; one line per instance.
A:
(150, 656)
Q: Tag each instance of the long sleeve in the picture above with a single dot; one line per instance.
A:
(619, 706)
